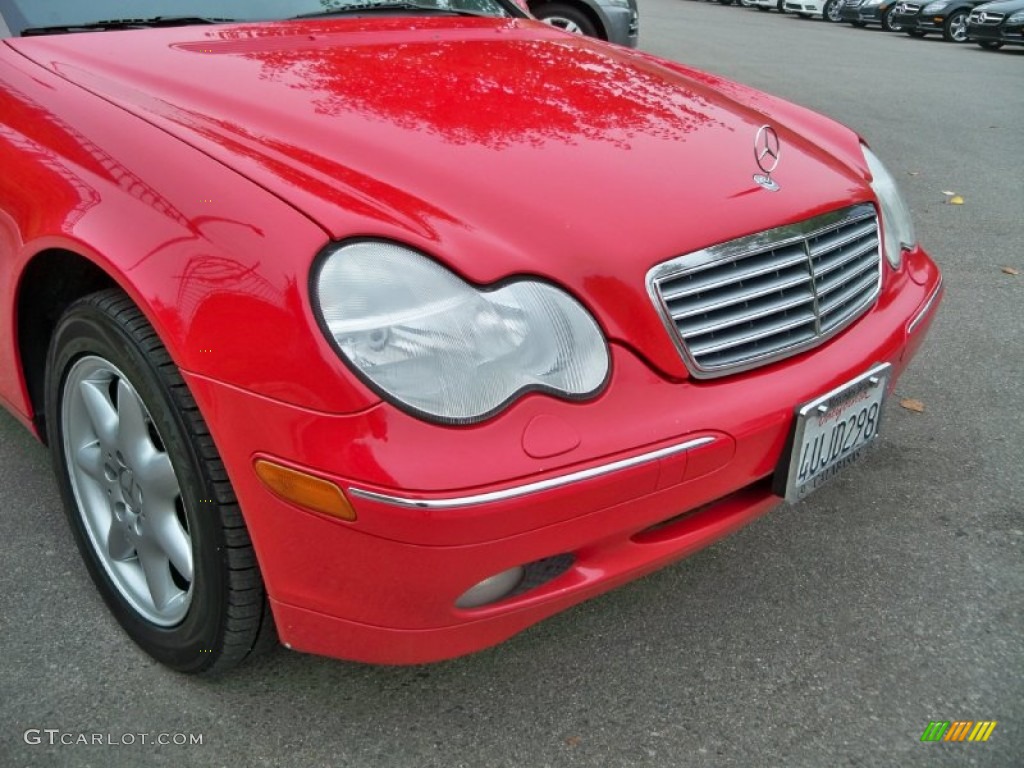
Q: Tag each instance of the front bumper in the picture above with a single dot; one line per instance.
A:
(812, 8)
(861, 15)
(1005, 34)
(919, 23)
(647, 473)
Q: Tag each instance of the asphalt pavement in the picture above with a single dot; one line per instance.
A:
(829, 633)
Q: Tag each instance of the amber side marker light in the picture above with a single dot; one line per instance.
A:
(305, 490)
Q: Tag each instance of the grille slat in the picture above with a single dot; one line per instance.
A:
(734, 337)
(991, 18)
(767, 296)
(748, 272)
(731, 296)
(838, 279)
(842, 260)
(748, 314)
(861, 288)
(825, 243)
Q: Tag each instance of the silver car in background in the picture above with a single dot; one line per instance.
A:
(616, 21)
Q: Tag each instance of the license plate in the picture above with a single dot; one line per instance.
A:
(832, 432)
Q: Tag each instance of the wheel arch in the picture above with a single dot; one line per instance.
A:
(51, 281)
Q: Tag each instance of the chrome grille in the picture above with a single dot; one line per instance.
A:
(907, 8)
(760, 298)
(985, 17)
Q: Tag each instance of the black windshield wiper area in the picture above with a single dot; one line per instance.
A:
(385, 5)
(113, 24)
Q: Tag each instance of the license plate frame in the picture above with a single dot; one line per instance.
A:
(829, 432)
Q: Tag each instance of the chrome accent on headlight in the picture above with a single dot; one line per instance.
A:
(447, 350)
(764, 297)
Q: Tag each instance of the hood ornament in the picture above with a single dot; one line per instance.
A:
(766, 151)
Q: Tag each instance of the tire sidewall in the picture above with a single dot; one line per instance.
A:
(192, 644)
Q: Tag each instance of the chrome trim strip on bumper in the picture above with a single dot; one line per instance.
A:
(458, 502)
(926, 308)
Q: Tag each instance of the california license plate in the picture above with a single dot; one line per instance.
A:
(832, 432)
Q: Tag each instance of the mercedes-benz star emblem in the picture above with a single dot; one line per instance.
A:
(766, 151)
(983, 17)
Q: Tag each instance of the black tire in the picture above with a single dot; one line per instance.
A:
(781, 6)
(990, 45)
(832, 11)
(224, 614)
(764, 8)
(889, 23)
(566, 17)
(916, 33)
(955, 28)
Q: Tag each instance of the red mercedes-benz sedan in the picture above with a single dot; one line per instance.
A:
(389, 329)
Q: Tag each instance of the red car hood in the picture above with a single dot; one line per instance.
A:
(500, 146)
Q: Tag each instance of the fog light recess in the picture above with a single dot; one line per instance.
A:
(491, 589)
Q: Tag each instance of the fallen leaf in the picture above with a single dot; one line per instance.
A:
(1010, 270)
(956, 200)
(913, 173)
(947, 193)
(573, 741)
(912, 405)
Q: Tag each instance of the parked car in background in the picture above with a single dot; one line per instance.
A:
(832, 11)
(944, 17)
(827, 9)
(767, 5)
(994, 25)
(617, 21)
(861, 13)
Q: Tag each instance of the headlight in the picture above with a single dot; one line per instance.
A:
(935, 7)
(872, 3)
(896, 222)
(1016, 18)
(439, 346)
(622, 3)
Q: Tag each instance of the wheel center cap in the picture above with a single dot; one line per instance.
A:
(131, 491)
(126, 480)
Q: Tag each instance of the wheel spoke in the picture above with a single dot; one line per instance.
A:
(118, 546)
(167, 534)
(156, 569)
(89, 459)
(132, 430)
(102, 414)
(153, 469)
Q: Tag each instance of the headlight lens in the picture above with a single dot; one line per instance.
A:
(896, 222)
(935, 7)
(872, 3)
(446, 349)
(1016, 18)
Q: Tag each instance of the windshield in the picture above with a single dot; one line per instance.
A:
(35, 14)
